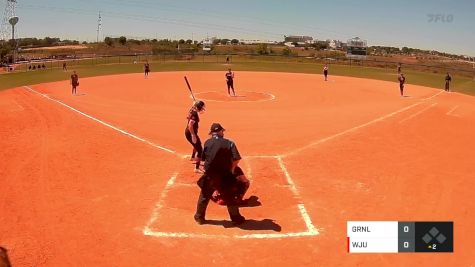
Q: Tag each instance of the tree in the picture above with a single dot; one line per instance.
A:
(234, 41)
(181, 41)
(108, 41)
(122, 40)
(224, 41)
(262, 49)
(4, 51)
(189, 41)
(216, 41)
(286, 51)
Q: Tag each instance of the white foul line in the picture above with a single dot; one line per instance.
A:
(104, 123)
(351, 130)
(417, 113)
(359, 126)
(452, 110)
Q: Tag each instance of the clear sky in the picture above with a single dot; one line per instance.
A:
(442, 25)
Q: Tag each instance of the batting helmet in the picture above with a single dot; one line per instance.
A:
(199, 105)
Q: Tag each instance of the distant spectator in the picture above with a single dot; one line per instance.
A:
(39, 66)
(399, 68)
(29, 67)
(34, 67)
(65, 68)
(43, 66)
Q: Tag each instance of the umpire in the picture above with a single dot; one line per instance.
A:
(221, 156)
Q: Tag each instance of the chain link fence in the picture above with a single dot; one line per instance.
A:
(462, 69)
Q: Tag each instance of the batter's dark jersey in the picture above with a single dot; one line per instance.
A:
(147, 67)
(192, 115)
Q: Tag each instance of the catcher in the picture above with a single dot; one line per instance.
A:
(236, 191)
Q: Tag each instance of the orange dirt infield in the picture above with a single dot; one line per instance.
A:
(100, 179)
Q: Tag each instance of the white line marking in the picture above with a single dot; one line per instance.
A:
(432, 96)
(248, 173)
(326, 139)
(185, 184)
(452, 110)
(105, 123)
(271, 97)
(308, 222)
(417, 113)
(149, 232)
(262, 157)
(19, 107)
(303, 211)
(159, 204)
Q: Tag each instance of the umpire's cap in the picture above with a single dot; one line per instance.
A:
(215, 127)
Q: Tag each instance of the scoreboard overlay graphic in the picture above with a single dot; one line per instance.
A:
(399, 237)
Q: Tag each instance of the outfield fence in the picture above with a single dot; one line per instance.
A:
(462, 69)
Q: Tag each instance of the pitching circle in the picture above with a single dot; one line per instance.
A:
(241, 96)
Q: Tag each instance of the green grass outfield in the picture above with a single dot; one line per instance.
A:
(460, 84)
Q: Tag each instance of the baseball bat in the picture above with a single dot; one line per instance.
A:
(189, 88)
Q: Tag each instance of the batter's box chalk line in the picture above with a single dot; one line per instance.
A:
(311, 229)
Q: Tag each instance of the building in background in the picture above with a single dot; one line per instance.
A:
(243, 41)
(335, 44)
(356, 48)
(208, 43)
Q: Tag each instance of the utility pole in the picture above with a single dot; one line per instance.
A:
(99, 26)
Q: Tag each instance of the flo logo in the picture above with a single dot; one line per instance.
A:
(442, 18)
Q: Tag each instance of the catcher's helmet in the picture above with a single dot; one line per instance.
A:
(199, 105)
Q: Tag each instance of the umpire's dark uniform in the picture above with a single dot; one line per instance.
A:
(219, 154)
